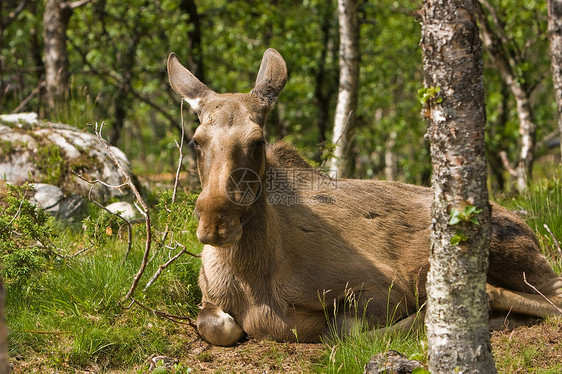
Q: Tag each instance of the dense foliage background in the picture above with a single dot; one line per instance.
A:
(117, 57)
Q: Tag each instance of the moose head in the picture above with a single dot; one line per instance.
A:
(229, 144)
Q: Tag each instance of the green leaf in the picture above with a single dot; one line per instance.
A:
(455, 217)
(455, 240)
(459, 237)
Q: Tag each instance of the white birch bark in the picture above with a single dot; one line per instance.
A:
(342, 161)
(457, 315)
(506, 65)
(555, 37)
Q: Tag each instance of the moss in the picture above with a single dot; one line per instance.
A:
(51, 163)
(7, 148)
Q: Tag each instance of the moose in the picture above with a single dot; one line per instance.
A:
(287, 249)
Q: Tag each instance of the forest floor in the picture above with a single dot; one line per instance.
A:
(536, 348)
(526, 349)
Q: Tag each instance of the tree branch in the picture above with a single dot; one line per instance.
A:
(14, 14)
(170, 261)
(76, 4)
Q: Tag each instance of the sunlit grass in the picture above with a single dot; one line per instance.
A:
(73, 316)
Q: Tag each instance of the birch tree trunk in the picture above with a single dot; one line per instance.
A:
(457, 315)
(4, 366)
(348, 17)
(555, 36)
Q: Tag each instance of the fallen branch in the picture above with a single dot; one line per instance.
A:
(170, 261)
(540, 293)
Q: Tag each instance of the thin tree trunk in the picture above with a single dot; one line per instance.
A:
(4, 366)
(457, 315)
(55, 22)
(195, 56)
(390, 159)
(324, 87)
(506, 65)
(342, 162)
(555, 36)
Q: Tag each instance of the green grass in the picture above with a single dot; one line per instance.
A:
(541, 207)
(350, 355)
(70, 315)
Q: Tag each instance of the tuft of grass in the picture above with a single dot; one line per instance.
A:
(541, 207)
(350, 354)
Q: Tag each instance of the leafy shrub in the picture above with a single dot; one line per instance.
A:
(177, 215)
(25, 236)
(98, 228)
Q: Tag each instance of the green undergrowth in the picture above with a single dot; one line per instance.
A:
(68, 313)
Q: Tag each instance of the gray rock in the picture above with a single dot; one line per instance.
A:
(51, 198)
(124, 209)
(46, 196)
(391, 362)
(32, 151)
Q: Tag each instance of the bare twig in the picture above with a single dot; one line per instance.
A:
(97, 181)
(29, 97)
(139, 200)
(81, 251)
(540, 293)
(164, 266)
(553, 239)
(129, 223)
(507, 165)
(164, 315)
(178, 170)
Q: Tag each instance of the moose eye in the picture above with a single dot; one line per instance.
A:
(193, 144)
(257, 145)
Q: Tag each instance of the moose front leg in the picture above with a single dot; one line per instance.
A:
(218, 327)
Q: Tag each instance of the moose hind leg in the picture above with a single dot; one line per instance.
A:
(218, 327)
(501, 299)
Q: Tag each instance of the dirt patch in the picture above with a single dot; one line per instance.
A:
(536, 348)
(252, 356)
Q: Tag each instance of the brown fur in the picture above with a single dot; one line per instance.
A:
(279, 267)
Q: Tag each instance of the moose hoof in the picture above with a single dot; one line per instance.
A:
(218, 327)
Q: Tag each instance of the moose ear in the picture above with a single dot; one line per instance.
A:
(185, 83)
(272, 77)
